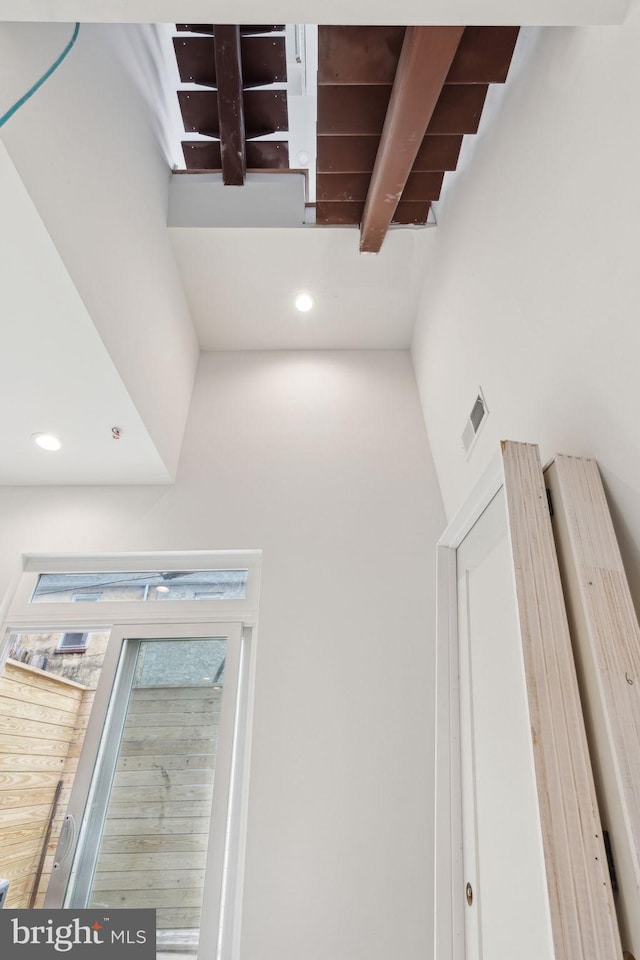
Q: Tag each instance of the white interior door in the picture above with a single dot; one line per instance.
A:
(512, 755)
(506, 901)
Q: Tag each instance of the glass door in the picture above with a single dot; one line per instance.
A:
(147, 823)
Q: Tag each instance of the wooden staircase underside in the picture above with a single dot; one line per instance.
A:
(231, 63)
(393, 106)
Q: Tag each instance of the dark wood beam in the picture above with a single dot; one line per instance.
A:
(425, 60)
(230, 103)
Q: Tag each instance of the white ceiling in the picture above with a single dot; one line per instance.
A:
(55, 373)
(94, 310)
(241, 284)
(97, 289)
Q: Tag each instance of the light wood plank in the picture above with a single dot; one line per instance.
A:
(165, 762)
(580, 898)
(13, 852)
(158, 809)
(16, 726)
(11, 762)
(133, 748)
(123, 863)
(155, 777)
(170, 919)
(88, 698)
(75, 747)
(153, 825)
(161, 792)
(33, 711)
(80, 729)
(47, 696)
(19, 893)
(37, 677)
(180, 881)
(27, 797)
(27, 780)
(36, 746)
(606, 641)
(37, 722)
(162, 694)
(205, 721)
(141, 733)
(192, 705)
(18, 869)
(37, 813)
(70, 767)
(130, 899)
(154, 844)
(20, 835)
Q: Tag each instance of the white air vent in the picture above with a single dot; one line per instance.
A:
(477, 417)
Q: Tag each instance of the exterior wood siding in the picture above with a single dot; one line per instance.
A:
(38, 726)
(156, 832)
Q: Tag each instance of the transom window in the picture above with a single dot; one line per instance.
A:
(141, 586)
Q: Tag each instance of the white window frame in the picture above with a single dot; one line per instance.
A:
(111, 612)
(167, 616)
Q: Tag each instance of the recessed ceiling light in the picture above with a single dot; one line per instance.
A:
(304, 302)
(162, 589)
(46, 441)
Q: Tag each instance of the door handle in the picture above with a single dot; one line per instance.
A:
(67, 840)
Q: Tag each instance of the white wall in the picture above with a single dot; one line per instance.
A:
(95, 162)
(41, 307)
(533, 289)
(321, 460)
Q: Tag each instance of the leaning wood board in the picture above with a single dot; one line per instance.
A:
(583, 915)
(606, 640)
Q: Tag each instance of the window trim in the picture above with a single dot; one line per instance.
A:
(20, 615)
(85, 615)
